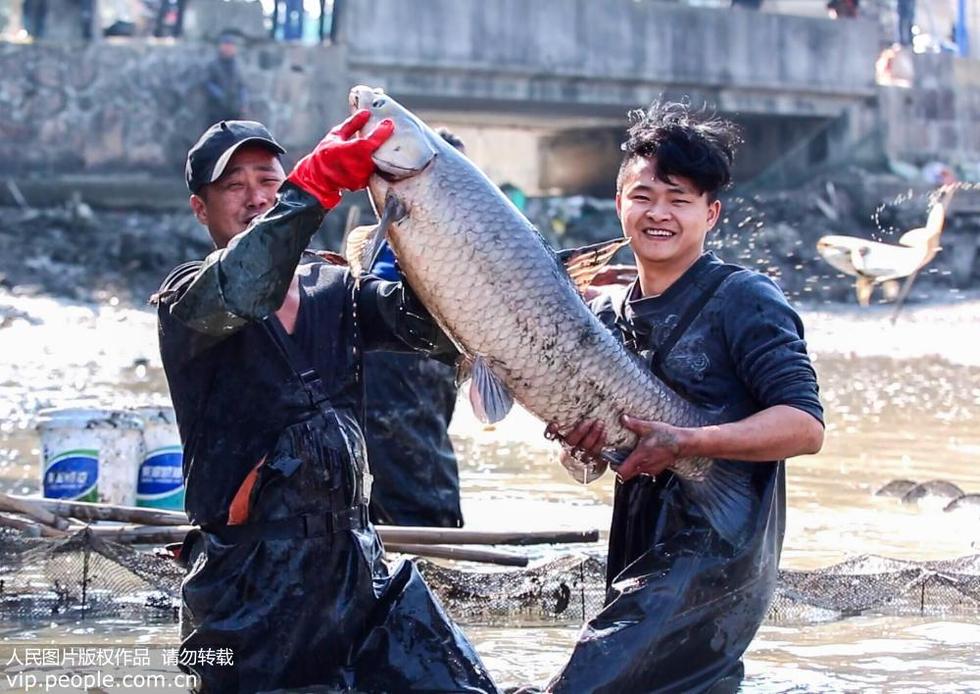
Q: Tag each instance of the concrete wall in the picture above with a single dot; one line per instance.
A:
(936, 118)
(136, 107)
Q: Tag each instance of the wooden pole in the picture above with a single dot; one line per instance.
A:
(389, 533)
(463, 536)
(87, 511)
(142, 534)
(32, 509)
(164, 535)
(27, 527)
(487, 556)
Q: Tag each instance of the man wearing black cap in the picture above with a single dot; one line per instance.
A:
(261, 343)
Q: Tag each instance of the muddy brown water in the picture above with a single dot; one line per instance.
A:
(902, 401)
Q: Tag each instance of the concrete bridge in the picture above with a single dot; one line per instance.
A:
(557, 59)
(571, 69)
(540, 88)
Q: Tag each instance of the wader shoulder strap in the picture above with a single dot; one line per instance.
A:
(692, 312)
(297, 360)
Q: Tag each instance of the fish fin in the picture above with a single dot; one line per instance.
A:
(863, 286)
(358, 239)
(489, 397)
(725, 498)
(464, 369)
(584, 263)
(364, 243)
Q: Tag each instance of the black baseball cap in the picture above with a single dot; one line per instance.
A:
(207, 159)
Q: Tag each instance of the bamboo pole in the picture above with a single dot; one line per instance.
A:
(487, 556)
(389, 533)
(87, 511)
(464, 536)
(33, 509)
(142, 534)
(163, 535)
(29, 528)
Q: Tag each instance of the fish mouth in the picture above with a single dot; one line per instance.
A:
(361, 97)
(393, 172)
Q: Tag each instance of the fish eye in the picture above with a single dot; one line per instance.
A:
(378, 103)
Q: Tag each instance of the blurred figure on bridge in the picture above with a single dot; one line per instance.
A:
(906, 18)
(747, 4)
(170, 18)
(223, 82)
(842, 8)
(895, 67)
(34, 13)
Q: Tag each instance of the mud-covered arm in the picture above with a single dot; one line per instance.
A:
(248, 280)
(393, 319)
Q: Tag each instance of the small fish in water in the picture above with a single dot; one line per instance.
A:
(513, 308)
(967, 502)
(897, 488)
(933, 489)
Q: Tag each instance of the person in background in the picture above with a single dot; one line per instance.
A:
(227, 95)
(847, 9)
(409, 403)
(906, 20)
(34, 13)
(169, 19)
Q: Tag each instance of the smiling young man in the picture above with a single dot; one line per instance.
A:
(687, 591)
(262, 344)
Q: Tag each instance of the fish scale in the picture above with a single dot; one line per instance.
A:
(499, 291)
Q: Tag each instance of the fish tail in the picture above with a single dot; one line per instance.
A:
(725, 497)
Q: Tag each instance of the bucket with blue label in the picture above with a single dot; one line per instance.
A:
(89, 454)
(161, 480)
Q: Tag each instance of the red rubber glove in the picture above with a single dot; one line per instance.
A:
(340, 160)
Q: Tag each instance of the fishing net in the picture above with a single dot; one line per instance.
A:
(572, 589)
(86, 576)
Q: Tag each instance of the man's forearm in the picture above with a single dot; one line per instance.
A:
(776, 433)
(248, 280)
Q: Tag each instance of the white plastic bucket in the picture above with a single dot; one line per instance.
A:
(90, 454)
(161, 480)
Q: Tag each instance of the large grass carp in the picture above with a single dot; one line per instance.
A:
(501, 293)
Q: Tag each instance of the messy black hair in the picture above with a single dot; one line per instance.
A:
(685, 142)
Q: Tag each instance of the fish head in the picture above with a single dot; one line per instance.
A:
(837, 250)
(410, 148)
